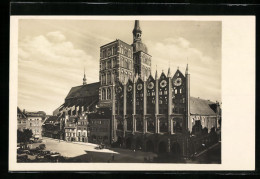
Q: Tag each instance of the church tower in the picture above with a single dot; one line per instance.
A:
(142, 60)
(116, 60)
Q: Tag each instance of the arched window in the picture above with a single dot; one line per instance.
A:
(104, 53)
(103, 79)
(103, 65)
(113, 50)
(122, 62)
(130, 64)
(108, 93)
(108, 78)
(114, 62)
(125, 63)
(103, 94)
(109, 64)
(129, 53)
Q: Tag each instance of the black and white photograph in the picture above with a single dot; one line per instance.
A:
(125, 91)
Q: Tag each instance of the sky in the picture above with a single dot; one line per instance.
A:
(52, 55)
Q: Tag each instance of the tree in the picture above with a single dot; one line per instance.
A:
(24, 136)
(27, 134)
(19, 136)
(204, 131)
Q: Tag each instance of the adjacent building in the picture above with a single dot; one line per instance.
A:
(76, 128)
(32, 121)
(51, 127)
(21, 119)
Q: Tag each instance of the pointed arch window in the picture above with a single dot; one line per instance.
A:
(122, 62)
(109, 78)
(104, 53)
(113, 50)
(109, 93)
(109, 64)
(130, 65)
(103, 94)
(129, 53)
(114, 62)
(103, 79)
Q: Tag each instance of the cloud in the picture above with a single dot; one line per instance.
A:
(177, 52)
(48, 66)
(56, 36)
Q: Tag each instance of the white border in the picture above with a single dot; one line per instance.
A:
(238, 98)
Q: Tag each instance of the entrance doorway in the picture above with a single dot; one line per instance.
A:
(162, 147)
(149, 146)
(176, 150)
(128, 143)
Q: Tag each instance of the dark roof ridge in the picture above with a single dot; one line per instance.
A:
(202, 99)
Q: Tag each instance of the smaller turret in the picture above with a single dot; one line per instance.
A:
(84, 79)
(186, 72)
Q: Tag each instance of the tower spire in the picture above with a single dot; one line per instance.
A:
(84, 79)
(137, 32)
(156, 73)
(169, 72)
(137, 27)
(186, 72)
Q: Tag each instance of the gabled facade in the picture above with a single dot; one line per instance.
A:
(151, 113)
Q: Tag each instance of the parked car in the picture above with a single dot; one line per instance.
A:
(42, 146)
(22, 158)
(45, 152)
(22, 151)
(34, 151)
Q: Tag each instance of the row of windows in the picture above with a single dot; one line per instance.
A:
(145, 71)
(99, 122)
(106, 94)
(33, 119)
(22, 122)
(70, 134)
(82, 123)
(125, 76)
(36, 131)
(108, 52)
(112, 51)
(126, 52)
(35, 124)
(106, 79)
(99, 137)
(82, 133)
(70, 130)
(82, 128)
(163, 126)
(126, 63)
(146, 60)
(98, 129)
(110, 63)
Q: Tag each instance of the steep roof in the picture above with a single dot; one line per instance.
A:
(19, 111)
(201, 106)
(51, 118)
(84, 91)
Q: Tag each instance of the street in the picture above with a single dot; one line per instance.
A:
(86, 152)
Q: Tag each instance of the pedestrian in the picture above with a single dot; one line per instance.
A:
(113, 157)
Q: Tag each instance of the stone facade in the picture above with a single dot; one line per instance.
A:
(139, 110)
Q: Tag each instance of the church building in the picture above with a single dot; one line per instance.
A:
(145, 112)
